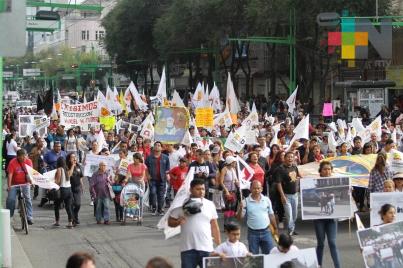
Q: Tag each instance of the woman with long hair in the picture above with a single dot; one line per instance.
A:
(75, 174)
(326, 227)
(379, 173)
(62, 179)
(273, 152)
(11, 148)
(273, 194)
(136, 172)
(71, 142)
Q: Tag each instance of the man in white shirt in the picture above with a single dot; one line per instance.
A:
(263, 144)
(198, 226)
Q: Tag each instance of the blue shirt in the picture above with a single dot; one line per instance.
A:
(51, 157)
(257, 212)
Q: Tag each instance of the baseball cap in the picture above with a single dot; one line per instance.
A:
(229, 160)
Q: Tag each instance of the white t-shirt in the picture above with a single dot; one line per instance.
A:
(237, 249)
(12, 147)
(196, 232)
(292, 250)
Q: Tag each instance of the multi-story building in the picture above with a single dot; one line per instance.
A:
(79, 29)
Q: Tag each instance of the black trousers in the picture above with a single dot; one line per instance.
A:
(76, 204)
(66, 198)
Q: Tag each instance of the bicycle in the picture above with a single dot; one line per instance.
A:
(22, 208)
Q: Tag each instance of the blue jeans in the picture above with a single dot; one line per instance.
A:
(193, 258)
(102, 203)
(291, 211)
(157, 194)
(262, 239)
(12, 196)
(323, 228)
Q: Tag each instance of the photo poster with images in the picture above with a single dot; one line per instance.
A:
(377, 200)
(85, 115)
(303, 258)
(92, 164)
(235, 262)
(382, 245)
(171, 124)
(27, 124)
(124, 165)
(326, 198)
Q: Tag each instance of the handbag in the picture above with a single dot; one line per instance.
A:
(111, 193)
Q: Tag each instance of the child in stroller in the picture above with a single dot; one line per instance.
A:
(131, 200)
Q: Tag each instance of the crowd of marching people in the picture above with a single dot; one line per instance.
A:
(271, 201)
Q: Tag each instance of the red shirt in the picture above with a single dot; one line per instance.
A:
(18, 171)
(136, 171)
(158, 168)
(259, 173)
(179, 174)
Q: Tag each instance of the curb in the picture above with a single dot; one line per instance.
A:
(18, 255)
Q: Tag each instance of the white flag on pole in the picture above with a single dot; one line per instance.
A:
(291, 100)
(177, 100)
(214, 98)
(162, 87)
(232, 101)
(177, 203)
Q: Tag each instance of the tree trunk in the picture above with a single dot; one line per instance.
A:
(190, 73)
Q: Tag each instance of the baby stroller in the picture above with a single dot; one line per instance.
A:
(131, 199)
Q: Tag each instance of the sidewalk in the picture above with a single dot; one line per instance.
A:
(19, 257)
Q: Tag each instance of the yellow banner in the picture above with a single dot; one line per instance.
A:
(108, 121)
(204, 117)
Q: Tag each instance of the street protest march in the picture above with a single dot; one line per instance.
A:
(148, 157)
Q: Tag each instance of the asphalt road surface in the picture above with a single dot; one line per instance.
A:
(133, 246)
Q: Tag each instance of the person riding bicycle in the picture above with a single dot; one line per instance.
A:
(17, 175)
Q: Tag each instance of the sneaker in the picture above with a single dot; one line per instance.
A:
(106, 223)
(154, 213)
(294, 233)
(92, 203)
(30, 222)
(77, 222)
(99, 222)
(56, 224)
(161, 213)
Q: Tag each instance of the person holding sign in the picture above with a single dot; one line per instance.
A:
(326, 227)
(379, 174)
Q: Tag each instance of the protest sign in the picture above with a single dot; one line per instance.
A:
(204, 117)
(250, 137)
(92, 164)
(327, 109)
(395, 159)
(357, 167)
(326, 198)
(84, 115)
(382, 245)
(46, 180)
(302, 258)
(108, 121)
(236, 140)
(171, 124)
(234, 262)
(30, 123)
(377, 200)
(123, 165)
